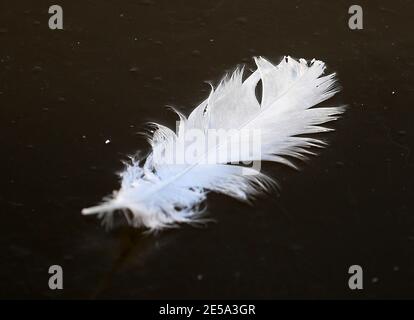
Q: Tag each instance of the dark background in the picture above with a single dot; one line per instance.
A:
(116, 65)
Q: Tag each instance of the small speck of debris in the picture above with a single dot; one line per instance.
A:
(241, 20)
(37, 69)
(396, 268)
(146, 2)
(296, 247)
(107, 141)
(195, 53)
(374, 280)
(16, 204)
(339, 164)
(133, 69)
(83, 137)
(393, 92)
(402, 132)
(200, 277)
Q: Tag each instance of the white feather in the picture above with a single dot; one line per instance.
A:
(160, 194)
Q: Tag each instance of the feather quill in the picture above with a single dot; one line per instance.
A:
(156, 194)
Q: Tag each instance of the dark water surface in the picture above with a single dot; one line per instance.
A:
(116, 65)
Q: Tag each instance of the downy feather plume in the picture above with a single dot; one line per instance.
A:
(156, 193)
